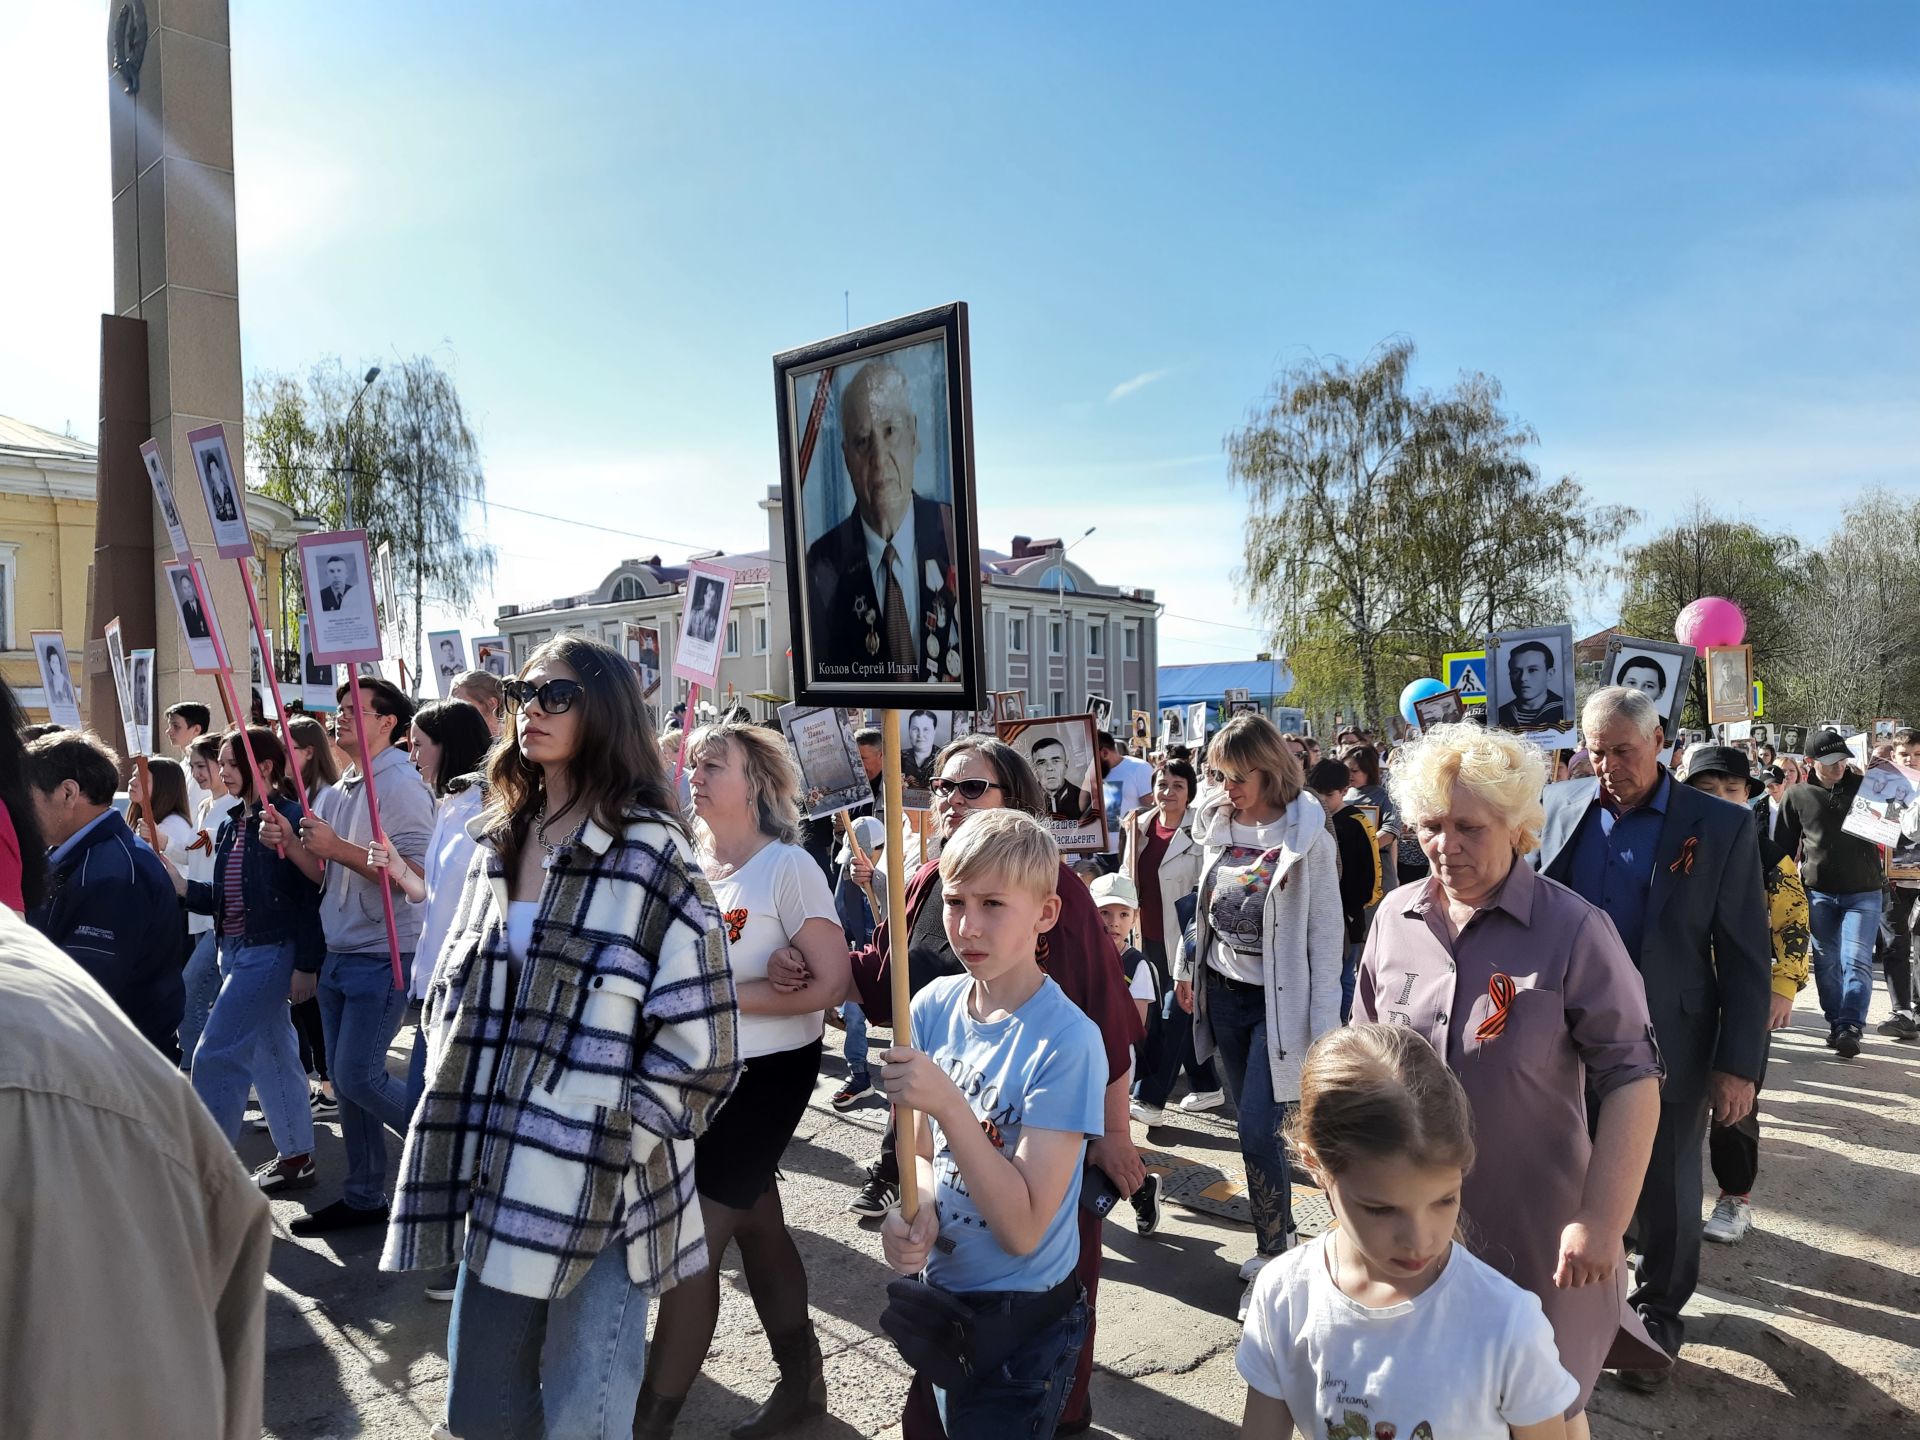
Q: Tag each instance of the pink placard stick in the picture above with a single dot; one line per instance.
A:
(686, 725)
(373, 814)
(273, 681)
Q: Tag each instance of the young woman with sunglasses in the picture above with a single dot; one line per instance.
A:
(1270, 938)
(976, 773)
(581, 1028)
(772, 894)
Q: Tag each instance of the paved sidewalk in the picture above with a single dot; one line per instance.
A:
(1811, 1326)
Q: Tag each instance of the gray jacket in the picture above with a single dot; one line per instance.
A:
(350, 910)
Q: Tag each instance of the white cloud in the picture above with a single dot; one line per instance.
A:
(1136, 384)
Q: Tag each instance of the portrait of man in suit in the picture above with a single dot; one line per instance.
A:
(880, 583)
(192, 617)
(334, 595)
(1065, 800)
(1678, 872)
(221, 489)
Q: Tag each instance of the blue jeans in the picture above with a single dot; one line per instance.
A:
(249, 1039)
(1843, 931)
(1238, 1019)
(361, 1010)
(417, 1070)
(856, 1048)
(566, 1369)
(202, 976)
(1349, 974)
(1025, 1396)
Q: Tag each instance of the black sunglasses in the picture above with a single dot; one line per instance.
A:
(971, 789)
(556, 697)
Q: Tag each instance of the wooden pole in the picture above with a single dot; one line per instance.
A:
(906, 1142)
(853, 844)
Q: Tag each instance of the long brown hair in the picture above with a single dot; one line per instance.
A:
(320, 767)
(1370, 1091)
(616, 767)
(166, 790)
(272, 758)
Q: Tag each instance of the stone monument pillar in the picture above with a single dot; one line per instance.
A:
(175, 268)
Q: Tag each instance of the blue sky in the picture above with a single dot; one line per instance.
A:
(1684, 242)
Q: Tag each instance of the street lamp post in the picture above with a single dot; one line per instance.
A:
(353, 470)
(1066, 625)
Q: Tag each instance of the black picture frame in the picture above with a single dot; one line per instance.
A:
(1562, 716)
(1632, 659)
(839, 633)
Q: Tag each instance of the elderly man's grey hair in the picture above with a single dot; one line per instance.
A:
(1616, 702)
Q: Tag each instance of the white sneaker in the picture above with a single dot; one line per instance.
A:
(1204, 1100)
(1146, 1114)
(1255, 1263)
(1732, 1218)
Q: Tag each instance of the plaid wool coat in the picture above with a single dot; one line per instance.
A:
(560, 1119)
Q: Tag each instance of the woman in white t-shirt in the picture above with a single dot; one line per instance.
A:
(1269, 940)
(771, 895)
(1384, 1325)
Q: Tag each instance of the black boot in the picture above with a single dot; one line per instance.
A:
(801, 1391)
(653, 1417)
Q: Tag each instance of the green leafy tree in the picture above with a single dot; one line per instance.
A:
(396, 457)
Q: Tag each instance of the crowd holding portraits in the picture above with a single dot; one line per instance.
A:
(877, 485)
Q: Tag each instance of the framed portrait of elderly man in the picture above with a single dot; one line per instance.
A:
(1729, 683)
(1061, 750)
(1659, 669)
(1009, 705)
(876, 485)
(1530, 679)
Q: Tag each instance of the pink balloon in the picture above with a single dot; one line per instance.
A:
(1710, 620)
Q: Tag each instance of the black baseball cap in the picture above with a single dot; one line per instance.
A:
(1722, 760)
(1826, 744)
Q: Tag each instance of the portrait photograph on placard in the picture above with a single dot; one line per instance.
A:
(1790, 739)
(337, 574)
(1197, 723)
(1173, 725)
(56, 678)
(446, 658)
(643, 652)
(1883, 729)
(1442, 709)
(1530, 679)
(195, 614)
(1009, 705)
(1141, 739)
(1242, 707)
(876, 477)
(1061, 751)
(1289, 719)
(1659, 669)
(703, 624)
(221, 488)
(1729, 683)
(1761, 733)
(1101, 709)
(122, 682)
(317, 684)
(831, 776)
(163, 497)
(492, 654)
(140, 686)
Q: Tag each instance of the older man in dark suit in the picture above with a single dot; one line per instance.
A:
(881, 584)
(1679, 873)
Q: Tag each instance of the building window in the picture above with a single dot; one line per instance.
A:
(1058, 699)
(1132, 642)
(7, 568)
(759, 634)
(627, 587)
(1016, 634)
(733, 638)
(1133, 704)
(1056, 640)
(1096, 637)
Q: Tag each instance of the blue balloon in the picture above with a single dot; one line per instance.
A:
(1417, 690)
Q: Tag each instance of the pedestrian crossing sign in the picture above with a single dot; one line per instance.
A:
(1466, 671)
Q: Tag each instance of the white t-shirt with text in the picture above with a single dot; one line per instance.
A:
(1471, 1356)
(763, 905)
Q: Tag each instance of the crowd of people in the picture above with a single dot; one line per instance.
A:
(1492, 1002)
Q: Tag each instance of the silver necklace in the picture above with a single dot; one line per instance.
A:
(548, 849)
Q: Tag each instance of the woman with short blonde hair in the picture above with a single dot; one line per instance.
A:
(1526, 991)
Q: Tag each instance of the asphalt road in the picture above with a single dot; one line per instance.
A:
(1811, 1326)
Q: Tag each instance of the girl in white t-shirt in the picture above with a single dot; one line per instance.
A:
(771, 895)
(1384, 1326)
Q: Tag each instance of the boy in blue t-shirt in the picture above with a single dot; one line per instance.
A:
(1012, 1076)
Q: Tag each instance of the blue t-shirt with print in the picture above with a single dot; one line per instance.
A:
(1044, 1066)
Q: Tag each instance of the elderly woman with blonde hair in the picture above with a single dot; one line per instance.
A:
(1527, 993)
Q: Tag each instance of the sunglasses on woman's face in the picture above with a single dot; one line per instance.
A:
(968, 789)
(1221, 777)
(556, 697)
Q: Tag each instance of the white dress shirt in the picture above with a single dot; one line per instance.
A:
(905, 569)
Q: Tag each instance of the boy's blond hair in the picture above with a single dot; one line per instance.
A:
(1006, 845)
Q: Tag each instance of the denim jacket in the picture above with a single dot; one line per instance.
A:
(281, 903)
